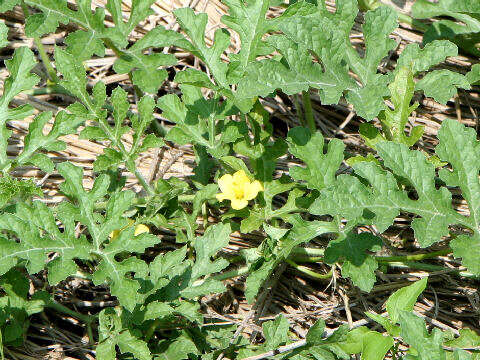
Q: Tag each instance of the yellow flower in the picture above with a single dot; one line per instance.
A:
(139, 229)
(238, 189)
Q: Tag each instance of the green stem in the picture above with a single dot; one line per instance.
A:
(309, 272)
(41, 50)
(307, 105)
(87, 319)
(308, 252)
(407, 19)
(416, 257)
(48, 90)
(232, 274)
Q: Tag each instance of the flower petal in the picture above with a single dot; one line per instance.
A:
(222, 196)
(240, 178)
(238, 204)
(251, 191)
(225, 183)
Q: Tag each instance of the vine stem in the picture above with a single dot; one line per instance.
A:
(52, 74)
(307, 105)
(309, 272)
(415, 257)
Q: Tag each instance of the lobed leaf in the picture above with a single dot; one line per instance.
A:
(320, 170)
(20, 79)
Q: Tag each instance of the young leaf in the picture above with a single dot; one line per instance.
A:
(394, 121)
(20, 79)
(404, 299)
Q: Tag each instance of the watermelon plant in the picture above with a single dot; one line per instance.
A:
(109, 235)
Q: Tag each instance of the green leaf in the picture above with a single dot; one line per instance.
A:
(145, 68)
(415, 334)
(7, 5)
(321, 169)
(404, 299)
(468, 339)
(35, 140)
(375, 346)
(215, 238)
(473, 76)
(248, 19)
(275, 332)
(315, 333)
(395, 121)
(15, 306)
(459, 146)
(12, 189)
(74, 75)
(28, 223)
(380, 202)
(298, 74)
(180, 348)
(423, 59)
(3, 34)
(357, 203)
(357, 265)
(362, 275)
(450, 82)
(20, 79)
(302, 231)
(433, 205)
(463, 31)
(195, 26)
(256, 278)
(189, 128)
(113, 334)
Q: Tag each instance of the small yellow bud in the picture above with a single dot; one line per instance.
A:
(139, 229)
(238, 189)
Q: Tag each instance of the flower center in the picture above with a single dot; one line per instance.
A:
(239, 193)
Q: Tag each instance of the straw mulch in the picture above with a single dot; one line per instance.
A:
(450, 302)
